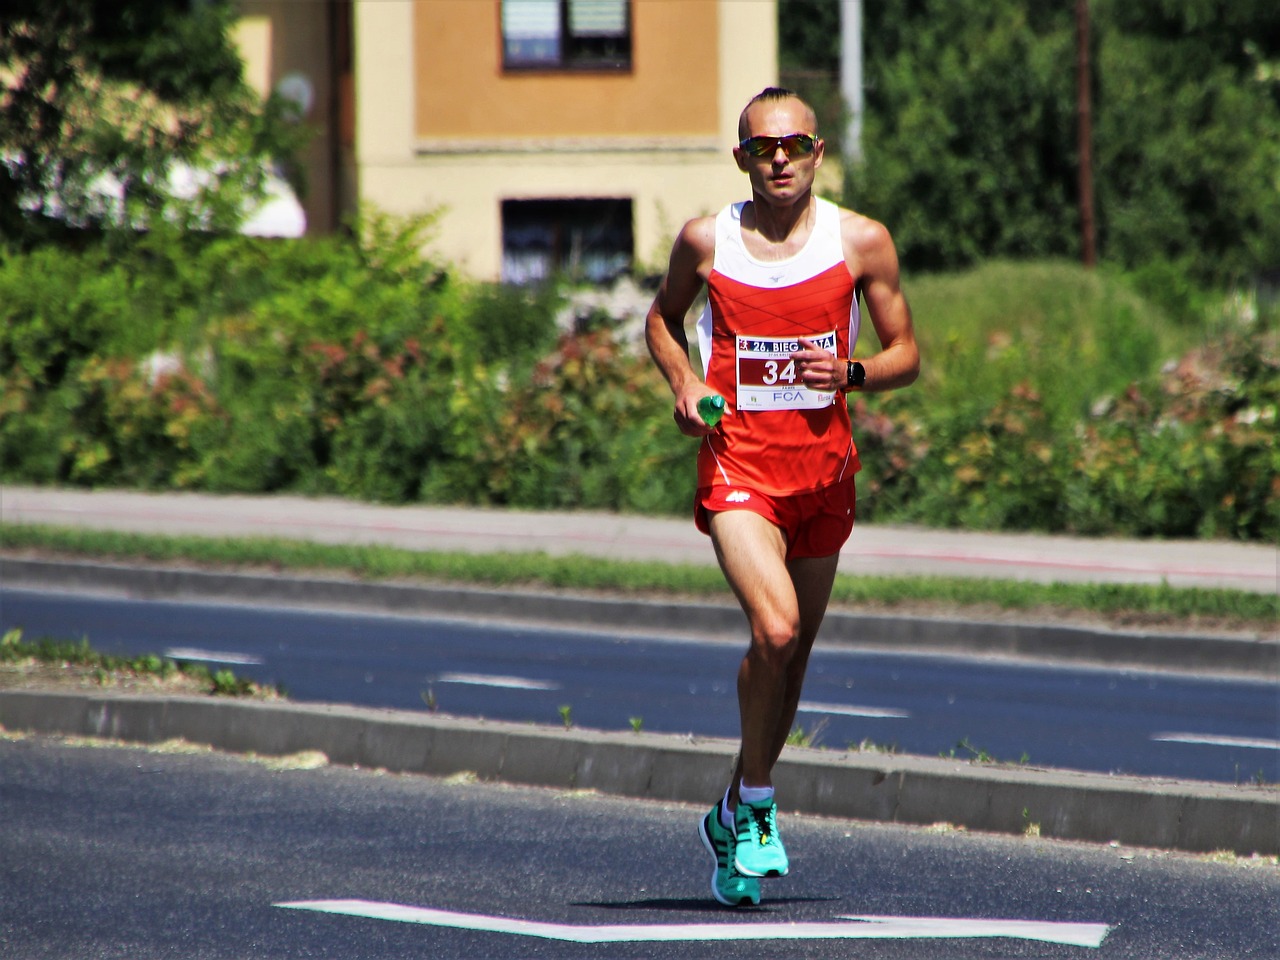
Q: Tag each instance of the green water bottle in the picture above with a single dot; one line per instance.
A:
(711, 409)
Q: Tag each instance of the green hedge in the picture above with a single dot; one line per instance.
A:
(1050, 399)
(1054, 399)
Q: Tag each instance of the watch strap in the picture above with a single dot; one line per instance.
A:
(855, 375)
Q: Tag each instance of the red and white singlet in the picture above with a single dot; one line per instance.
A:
(777, 436)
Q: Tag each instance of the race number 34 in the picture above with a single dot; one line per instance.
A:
(768, 379)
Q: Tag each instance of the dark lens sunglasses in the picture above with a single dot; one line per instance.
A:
(795, 145)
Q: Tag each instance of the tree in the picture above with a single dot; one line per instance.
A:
(128, 113)
(969, 136)
(1188, 135)
(970, 147)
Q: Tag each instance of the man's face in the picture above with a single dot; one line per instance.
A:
(777, 177)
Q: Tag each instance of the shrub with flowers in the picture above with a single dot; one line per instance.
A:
(356, 368)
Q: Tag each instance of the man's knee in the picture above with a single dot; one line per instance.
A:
(775, 640)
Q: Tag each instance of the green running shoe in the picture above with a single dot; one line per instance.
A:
(728, 886)
(758, 851)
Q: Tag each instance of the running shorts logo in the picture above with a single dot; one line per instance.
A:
(737, 496)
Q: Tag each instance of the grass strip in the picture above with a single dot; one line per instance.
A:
(103, 666)
(591, 573)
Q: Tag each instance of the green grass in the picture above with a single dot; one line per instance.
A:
(103, 666)
(1074, 333)
(533, 570)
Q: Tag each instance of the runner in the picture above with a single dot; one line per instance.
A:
(784, 271)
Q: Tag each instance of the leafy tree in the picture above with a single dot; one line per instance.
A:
(1188, 135)
(136, 93)
(970, 138)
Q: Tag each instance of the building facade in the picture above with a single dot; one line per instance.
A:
(547, 136)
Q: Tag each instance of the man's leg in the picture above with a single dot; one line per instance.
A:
(752, 551)
(811, 580)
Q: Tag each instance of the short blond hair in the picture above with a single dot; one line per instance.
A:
(772, 95)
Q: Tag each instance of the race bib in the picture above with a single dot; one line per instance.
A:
(768, 379)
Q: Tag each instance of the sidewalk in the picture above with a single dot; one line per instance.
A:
(873, 549)
(902, 789)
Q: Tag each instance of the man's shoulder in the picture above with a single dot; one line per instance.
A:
(862, 232)
(699, 233)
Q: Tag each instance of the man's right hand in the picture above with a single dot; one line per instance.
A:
(686, 413)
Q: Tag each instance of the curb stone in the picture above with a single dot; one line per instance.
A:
(1252, 656)
(1176, 815)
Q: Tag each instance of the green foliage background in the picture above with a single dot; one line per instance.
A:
(1139, 399)
(1052, 398)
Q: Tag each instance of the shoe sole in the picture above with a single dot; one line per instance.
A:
(715, 869)
(767, 875)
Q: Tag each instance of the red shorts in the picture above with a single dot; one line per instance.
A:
(815, 524)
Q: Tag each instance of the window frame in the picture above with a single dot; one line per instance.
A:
(565, 221)
(569, 61)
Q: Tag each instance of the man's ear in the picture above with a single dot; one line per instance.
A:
(819, 151)
(740, 159)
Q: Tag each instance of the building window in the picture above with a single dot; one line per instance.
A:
(566, 34)
(580, 239)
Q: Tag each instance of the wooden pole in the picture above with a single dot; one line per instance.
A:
(1084, 131)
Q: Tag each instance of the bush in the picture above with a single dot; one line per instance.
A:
(354, 367)
(1184, 451)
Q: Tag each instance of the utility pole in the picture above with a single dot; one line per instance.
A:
(1084, 132)
(851, 74)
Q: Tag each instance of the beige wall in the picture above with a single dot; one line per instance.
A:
(462, 91)
(418, 152)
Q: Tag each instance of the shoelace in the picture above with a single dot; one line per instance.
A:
(764, 824)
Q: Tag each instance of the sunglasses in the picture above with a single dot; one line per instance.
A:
(795, 144)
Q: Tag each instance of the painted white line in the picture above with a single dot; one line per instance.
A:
(212, 656)
(862, 928)
(1071, 934)
(1217, 741)
(484, 680)
(848, 710)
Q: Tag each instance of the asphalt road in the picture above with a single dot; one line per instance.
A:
(1111, 721)
(124, 853)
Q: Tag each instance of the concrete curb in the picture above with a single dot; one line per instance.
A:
(1225, 655)
(1194, 817)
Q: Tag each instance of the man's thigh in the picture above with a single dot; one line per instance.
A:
(812, 579)
(752, 553)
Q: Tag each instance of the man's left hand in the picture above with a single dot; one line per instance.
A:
(819, 369)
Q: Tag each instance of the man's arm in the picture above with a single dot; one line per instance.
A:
(873, 262)
(871, 253)
(691, 257)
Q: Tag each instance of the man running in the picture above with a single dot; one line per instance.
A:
(783, 271)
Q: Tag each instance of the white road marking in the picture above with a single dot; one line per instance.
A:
(212, 656)
(848, 710)
(485, 680)
(1214, 740)
(862, 928)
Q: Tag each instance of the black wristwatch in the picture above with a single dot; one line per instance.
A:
(856, 375)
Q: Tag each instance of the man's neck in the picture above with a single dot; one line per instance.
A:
(782, 225)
